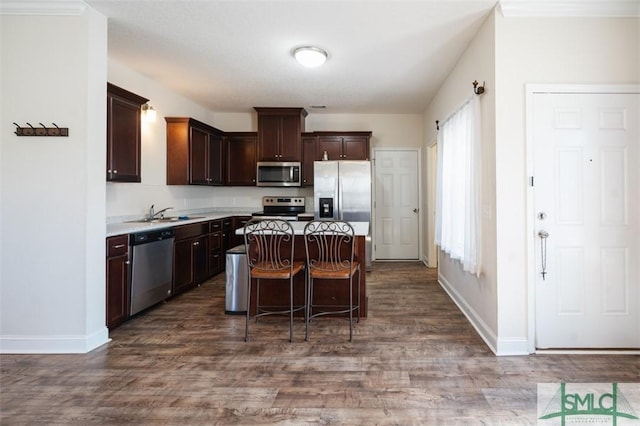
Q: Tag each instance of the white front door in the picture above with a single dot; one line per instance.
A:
(396, 204)
(586, 153)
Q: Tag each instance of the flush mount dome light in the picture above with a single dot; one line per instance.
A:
(310, 56)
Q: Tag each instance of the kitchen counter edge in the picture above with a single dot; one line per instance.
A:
(121, 228)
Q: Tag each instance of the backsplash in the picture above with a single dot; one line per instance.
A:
(127, 201)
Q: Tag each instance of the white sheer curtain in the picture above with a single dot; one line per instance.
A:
(458, 220)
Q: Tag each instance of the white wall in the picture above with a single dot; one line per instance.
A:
(542, 50)
(52, 216)
(509, 53)
(475, 296)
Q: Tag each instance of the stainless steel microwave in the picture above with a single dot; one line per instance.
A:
(276, 173)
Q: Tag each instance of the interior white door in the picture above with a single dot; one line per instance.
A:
(587, 199)
(396, 207)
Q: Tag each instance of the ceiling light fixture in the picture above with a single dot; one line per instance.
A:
(310, 56)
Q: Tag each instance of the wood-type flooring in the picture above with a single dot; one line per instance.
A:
(414, 361)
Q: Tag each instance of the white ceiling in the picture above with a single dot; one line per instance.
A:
(385, 56)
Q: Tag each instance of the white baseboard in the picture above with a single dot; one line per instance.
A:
(481, 327)
(587, 352)
(513, 346)
(53, 344)
(499, 346)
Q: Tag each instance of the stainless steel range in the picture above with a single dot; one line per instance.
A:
(285, 208)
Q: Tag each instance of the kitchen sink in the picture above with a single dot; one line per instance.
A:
(165, 219)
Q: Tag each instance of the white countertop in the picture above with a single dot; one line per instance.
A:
(129, 227)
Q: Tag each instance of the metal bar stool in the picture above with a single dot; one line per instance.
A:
(329, 247)
(270, 256)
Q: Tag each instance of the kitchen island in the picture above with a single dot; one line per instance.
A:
(327, 292)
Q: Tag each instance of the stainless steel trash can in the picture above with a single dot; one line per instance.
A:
(237, 283)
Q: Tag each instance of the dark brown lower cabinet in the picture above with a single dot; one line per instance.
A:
(190, 256)
(216, 254)
(117, 296)
(238, 222)
(227, 234)
(221, 239)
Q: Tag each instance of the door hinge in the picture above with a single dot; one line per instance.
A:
(531, 181)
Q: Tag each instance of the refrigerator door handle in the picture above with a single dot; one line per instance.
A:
(340, 200)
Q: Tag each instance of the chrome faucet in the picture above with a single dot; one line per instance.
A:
(153, 214)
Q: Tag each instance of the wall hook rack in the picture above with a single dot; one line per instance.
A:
(478, 90)
(41, 131)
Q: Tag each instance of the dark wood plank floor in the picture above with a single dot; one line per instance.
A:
(414, 361)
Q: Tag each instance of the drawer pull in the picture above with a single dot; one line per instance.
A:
(117, 246)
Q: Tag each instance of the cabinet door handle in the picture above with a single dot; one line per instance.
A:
(197, 243)
(115, 172)
(127, 262)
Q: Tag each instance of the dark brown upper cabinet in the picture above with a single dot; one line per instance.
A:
(195, 152)
(240, 154)
(123, 134)
(343, 145)
(309, 155)
(279, 133)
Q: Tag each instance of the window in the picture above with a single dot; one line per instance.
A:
(458, 221)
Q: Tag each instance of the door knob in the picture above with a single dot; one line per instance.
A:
(416, 210)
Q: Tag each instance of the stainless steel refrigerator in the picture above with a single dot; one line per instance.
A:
(342, 191)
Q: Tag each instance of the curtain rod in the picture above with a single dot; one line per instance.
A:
(477, 90)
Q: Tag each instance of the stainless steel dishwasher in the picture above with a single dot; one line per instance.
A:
(151, 268)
